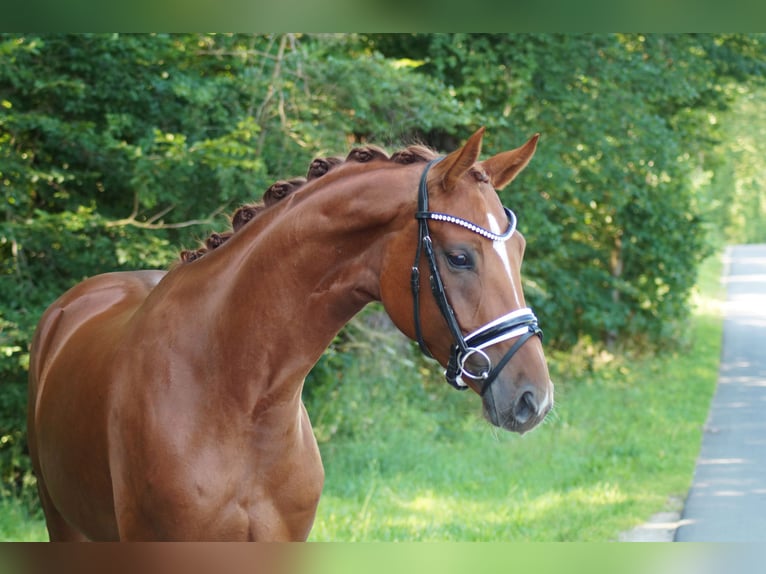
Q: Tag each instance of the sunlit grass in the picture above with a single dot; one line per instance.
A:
(620, 446)
(432, 516)
(18, 525)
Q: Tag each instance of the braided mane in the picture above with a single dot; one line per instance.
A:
(283, 188)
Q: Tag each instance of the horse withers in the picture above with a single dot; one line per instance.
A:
(167, 405)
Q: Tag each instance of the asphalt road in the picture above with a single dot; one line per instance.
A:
(727, 501)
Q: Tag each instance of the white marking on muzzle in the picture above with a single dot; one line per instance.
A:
(548, 399)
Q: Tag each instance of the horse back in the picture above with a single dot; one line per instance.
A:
(108, 296)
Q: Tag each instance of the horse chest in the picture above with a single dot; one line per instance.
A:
(208, 485)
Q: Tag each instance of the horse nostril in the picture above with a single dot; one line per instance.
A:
(526, 407)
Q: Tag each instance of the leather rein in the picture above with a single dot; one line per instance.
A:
(521, 323)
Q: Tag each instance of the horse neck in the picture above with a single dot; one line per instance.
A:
(285, 288)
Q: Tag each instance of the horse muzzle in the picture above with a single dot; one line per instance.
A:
(518, 411)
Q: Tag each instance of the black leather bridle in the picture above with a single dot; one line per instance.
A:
(521, 323)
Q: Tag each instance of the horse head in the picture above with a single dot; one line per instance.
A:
(466, 306)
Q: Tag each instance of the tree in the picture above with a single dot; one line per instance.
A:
(613, 218)
(733, 176)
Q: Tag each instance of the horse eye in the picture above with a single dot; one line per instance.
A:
(459, 260)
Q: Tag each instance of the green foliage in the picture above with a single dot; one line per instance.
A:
(115, 150)
(609, 206)
(734, 180)
(17, 524)
(96, 131)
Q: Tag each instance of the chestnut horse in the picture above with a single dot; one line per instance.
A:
(167, 405)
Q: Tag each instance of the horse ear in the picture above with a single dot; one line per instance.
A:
(451, 168)
(504, 167)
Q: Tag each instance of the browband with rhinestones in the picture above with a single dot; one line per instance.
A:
(435, 216)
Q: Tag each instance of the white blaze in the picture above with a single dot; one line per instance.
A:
(502, 251)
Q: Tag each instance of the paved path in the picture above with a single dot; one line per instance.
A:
(727, 501)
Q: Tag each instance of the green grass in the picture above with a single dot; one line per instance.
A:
(620, 445)
(17, 524)
(415, 462)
